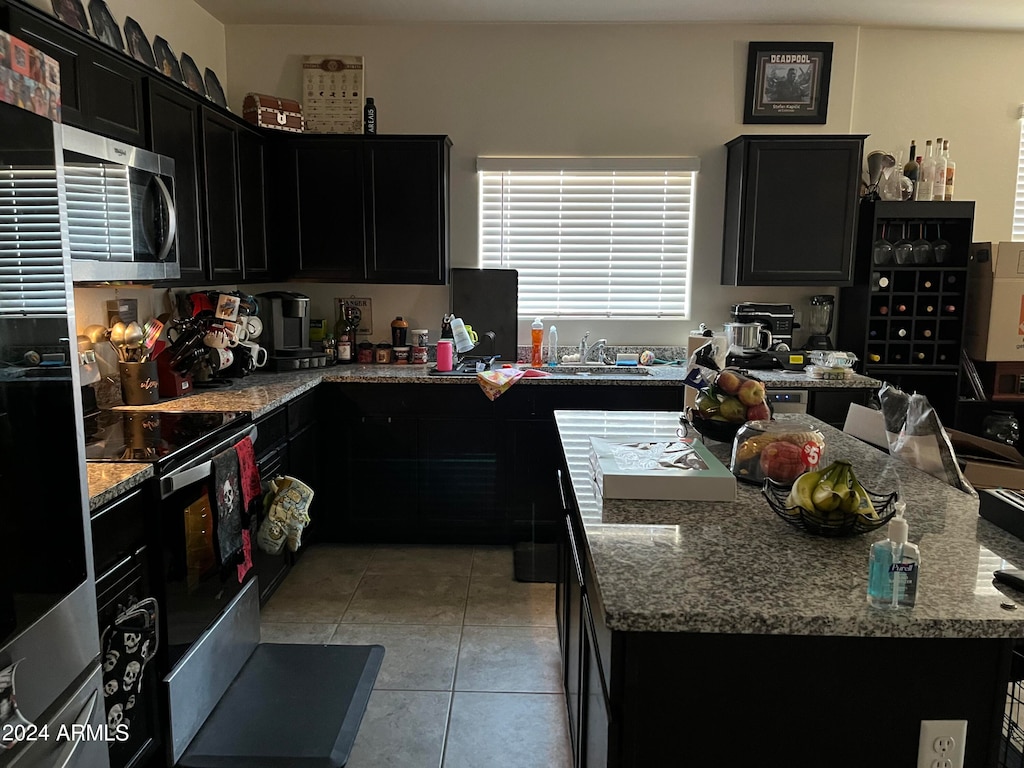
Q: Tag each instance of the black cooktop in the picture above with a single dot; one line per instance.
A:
(157, 437)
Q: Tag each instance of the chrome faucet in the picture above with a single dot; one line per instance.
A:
(598, 346)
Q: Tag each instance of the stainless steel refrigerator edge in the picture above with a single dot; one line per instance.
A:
(47, 594)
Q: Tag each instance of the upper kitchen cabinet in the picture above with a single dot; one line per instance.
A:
(220, 196)
(791, 209)
(100, 90)
(361, 209)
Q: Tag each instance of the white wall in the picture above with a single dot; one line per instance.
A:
(183, 24)
(657, 90)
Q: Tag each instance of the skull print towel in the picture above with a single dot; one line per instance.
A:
(228, 502)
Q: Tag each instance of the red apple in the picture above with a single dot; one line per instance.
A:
(759, 412)
(751, 392)
(730, 381)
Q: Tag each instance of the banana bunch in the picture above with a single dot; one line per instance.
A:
(834, 493)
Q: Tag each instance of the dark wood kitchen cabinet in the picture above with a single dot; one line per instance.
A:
(220, 197)
(361, 209)
(100, 90)
(791, 209)
(905, 321)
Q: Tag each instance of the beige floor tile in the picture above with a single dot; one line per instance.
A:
(297, 600)
(507, 730)
(402, 729)
(382, 599)
(493, 561)
(416, 657)
(495, 600)
(296, 632)
(421, 561)
(509, 659)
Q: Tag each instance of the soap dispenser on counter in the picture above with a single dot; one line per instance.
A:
(893, 566)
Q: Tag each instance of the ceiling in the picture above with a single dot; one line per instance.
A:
(949, 14)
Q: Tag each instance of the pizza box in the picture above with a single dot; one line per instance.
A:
(669, 470)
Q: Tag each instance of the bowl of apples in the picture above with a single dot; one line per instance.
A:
(727, 404)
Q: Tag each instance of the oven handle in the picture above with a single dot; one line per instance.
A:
(197, 472)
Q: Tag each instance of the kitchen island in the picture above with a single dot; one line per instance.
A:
(723, 626)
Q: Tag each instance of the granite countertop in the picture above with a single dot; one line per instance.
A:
(736, 567)
(108, 480)
(261, 393)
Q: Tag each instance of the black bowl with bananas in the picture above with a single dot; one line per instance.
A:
(830, 502)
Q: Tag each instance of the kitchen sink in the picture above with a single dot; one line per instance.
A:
(598, 369)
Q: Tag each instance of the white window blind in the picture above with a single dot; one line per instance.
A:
(32, 279)
(1018, 205)
(591, 237)
(99, 211)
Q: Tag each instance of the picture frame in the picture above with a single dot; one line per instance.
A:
(787, 82)
(166, 61)
(71, 13)
(138, 43)
(104, 28)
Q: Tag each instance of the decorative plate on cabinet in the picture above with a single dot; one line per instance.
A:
(191, 75)
(214, 89)
(138, 43)
(104, 28)
(166, 61)
(71, 13)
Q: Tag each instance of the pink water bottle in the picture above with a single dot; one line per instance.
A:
(444, 355)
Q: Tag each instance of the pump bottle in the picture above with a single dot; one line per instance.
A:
(893, 566)
(536, 341)
(553, 346)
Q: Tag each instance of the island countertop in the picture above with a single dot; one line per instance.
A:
(736, 567)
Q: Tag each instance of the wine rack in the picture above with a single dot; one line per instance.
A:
(904, 314)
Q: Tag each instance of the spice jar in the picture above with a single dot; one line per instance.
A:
(383, 352)
(364, 352)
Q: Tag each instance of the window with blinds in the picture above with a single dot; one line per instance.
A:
(32, 281)
(591, 237)
(1018, 204)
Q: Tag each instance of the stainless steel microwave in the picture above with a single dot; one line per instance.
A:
(121, 219)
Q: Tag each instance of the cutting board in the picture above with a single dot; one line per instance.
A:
(488, 300)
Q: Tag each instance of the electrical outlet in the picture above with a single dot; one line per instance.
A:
(942, 744)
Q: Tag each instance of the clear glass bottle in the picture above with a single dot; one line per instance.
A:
(950, 171)
(939, 182)
(893, 566)
(927, 174)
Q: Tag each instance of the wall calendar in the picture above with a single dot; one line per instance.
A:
(333, 94)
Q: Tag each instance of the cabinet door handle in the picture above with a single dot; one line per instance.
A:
(572, 549)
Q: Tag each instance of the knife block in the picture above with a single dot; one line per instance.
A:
(172, 383)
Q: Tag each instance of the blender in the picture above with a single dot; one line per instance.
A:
(820, 317)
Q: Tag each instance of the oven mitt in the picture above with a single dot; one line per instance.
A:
(128, 645)
(287, 517)
(228, 505)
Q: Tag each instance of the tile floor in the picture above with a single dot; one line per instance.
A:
(471, 672)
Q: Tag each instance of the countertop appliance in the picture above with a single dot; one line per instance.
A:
(121, 215)
(200, 596)
(776, 339)
(48, 611)
(820, 315)
(285, 316)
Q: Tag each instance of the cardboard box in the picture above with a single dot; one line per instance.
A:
(994, 328)
(988, 464)
(646, 468)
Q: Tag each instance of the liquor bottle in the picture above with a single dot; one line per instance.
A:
(950, 171)
(927, 174)
(370, 118)
(345, 338)
(911, 169)
(939, 183)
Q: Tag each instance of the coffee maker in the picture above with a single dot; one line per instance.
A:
(285, 316)
(774, 344)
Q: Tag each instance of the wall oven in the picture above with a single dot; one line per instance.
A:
(49, 641)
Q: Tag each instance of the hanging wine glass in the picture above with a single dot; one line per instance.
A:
(942, 248)
(922, 248)
(882, 250)
(903, 249)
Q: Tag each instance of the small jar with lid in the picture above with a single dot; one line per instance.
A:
(401, 355)
(364, 352)
(383, 353)
(781, 450)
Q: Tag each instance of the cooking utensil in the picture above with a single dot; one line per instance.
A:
(117, 340)
(133, 338)
(96, 333)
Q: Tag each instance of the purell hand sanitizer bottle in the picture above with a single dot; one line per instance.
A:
(893, 566)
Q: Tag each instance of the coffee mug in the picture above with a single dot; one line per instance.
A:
(253, 325)
(221, 359)
(259, 354)
(472, 334)
(217, 338)
(237, 332)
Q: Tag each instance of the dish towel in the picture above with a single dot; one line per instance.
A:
(252, 492)
(228, 505)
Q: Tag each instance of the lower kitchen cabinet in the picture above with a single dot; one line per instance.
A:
(832, 405)
(444, 464)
